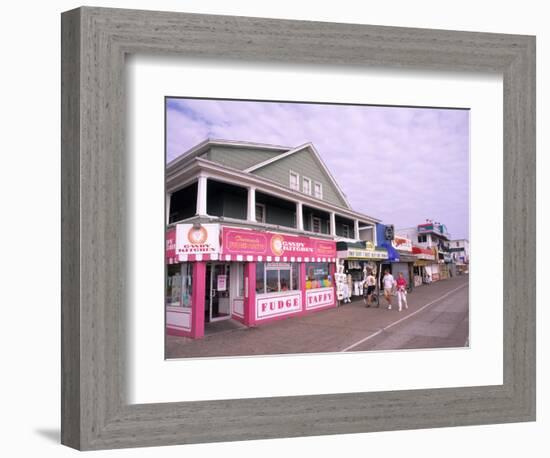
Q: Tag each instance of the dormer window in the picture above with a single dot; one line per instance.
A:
(294, 181)
(306, 186)
(318, 190)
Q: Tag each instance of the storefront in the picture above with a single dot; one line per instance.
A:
(461, 268)
(192, 252)
(246, 275)
(404, 265)
(450, 266)
(400, 259)
(356, 259)
(425, 267)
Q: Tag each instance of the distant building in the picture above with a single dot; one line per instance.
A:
(460, 251)
(431, 243)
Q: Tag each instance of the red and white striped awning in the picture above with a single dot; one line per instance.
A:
(244, 258)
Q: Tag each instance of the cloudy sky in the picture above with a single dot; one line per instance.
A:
(402, 165)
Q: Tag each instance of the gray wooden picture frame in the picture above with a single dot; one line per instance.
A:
(95, 413)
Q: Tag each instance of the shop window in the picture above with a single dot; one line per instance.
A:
(179, 285)
(295, 272)
(260, 277)
(284, 279)
(271, 281)
(274, 277)
(306, 186)
(318, 275)
(294, 181)
(239, 278)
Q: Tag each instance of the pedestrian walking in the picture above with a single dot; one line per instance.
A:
(427, 279)
(389, 282)
(368, 288)
(401, 291)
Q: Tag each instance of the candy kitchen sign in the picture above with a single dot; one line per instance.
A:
(194, 239)
(270, 244)
(402, 244)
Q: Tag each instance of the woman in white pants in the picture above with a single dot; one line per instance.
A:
(401, 291)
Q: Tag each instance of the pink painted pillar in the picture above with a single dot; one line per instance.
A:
(332, 271)
(250, 294)
(199, 293)
(303, 279)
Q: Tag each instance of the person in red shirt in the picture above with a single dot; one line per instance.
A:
(402, 291)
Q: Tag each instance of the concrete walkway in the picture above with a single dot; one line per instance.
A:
(438, 311)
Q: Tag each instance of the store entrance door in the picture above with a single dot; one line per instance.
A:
(218, 301)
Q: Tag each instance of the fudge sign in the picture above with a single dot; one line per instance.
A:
(271, 306)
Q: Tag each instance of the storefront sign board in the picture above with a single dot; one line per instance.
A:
(237, 241)
(357, 253)
(171, 245)
(320, 297)
(272, 305)
(221, 283)
(423, 253)
(197, 239)
(402, 243)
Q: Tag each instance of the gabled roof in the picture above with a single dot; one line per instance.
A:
(203, 146)
(284, 151)
(317, 157)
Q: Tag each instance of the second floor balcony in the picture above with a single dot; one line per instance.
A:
(208, 198)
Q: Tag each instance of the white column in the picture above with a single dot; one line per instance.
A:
(168, 197)
(356, 229)
(333, 224)
(251, 206)
(201, 196)
(299, 216)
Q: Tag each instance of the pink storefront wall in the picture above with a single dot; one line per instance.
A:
(197, 305)
(253, 246)
(264, 247)
(285, 302)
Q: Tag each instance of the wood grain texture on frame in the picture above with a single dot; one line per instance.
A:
(95, 412)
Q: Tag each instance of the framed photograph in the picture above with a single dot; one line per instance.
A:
(277, 228)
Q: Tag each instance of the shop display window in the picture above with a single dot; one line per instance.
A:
(274, 277)
(179, 285)
(240, 279)
(318, 275)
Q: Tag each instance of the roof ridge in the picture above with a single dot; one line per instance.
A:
(246, 142)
